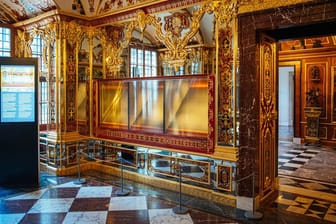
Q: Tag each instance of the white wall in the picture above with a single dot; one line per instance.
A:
(286, 86)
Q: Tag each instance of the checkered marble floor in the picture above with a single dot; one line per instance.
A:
(291, 160)
(307, 161)
(95, 202)
(308, 198)
(319, 209)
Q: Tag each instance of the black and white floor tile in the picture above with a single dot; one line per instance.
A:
(93, 203)
(289, 161)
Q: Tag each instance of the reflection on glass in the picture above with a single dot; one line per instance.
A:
(146, 105)
(186, 106)
(81, 101)
(169, 106)
(97, 51)
(113, 107)
(143, 63)
(193, 168)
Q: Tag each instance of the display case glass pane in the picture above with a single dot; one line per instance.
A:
(82, 101)
(114, 106)
(186, 110)
(146, 105)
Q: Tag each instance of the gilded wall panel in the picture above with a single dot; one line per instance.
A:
(323, 132)
(225, 85)
(71, 90)
(316, 76)
(333, 133)
(73, 34)
(333, 92)
(224, 177)
(71, 154)
(268, 115)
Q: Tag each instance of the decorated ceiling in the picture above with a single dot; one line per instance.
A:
(12, 11)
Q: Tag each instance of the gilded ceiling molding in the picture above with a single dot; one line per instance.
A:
(257, 5)
(110, 7)
(7, 17)
(172, 5)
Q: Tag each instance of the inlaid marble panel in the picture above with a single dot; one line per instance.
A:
(51, 205)
(128, 203)
(85, 217)
(32, 195)
(95, 192)
(167, 216)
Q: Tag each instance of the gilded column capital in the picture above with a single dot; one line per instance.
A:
(72, 32)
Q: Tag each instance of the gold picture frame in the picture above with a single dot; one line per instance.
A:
(51, 154)
(224, 177)
(71, 154)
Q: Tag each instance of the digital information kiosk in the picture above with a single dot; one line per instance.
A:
(19, 147)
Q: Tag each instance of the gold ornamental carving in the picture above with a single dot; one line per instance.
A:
(225, 79)
(312, 115)
(114, 46)
(119, 41)
(225, 10)
(72, 32)
(23, 42)
(48, 35)
(225, 14)
(169, 33)
(176, 55)
(268, 115)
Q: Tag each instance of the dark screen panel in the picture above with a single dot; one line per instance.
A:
(19, 148)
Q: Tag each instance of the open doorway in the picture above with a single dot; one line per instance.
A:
(304, 32)
(297, 60)
(286, 103)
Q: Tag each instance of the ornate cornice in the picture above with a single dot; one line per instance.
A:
(258, 5)
(244, 6)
